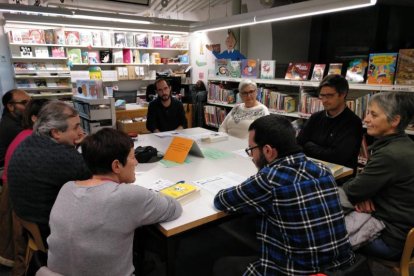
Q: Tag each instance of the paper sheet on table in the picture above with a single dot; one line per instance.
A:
(215, 154)
(218, 182)
(241, 152)
(171, 164)
(167, 134)
(158, 184)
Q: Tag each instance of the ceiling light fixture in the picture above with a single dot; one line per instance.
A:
(286, 12)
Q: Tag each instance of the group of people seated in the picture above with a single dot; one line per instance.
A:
(87, 213)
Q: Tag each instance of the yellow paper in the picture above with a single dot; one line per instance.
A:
(178, 149)
(179, 190)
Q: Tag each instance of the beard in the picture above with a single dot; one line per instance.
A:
(261, 162)
(165, 98)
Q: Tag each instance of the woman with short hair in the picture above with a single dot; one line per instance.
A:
(385, 188)
(93, 221)
(237, 122)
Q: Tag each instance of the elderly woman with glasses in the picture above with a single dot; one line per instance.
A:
(385, 188)
(237, 122)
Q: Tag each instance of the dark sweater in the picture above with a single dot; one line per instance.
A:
(165, 118)
(388, 180)
(37, 170)
(336, 140)
(10, 126)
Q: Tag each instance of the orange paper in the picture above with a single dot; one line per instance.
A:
(178, 149)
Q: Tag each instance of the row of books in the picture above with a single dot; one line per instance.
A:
(277, 101)
(96, 38)
(42, 83)
(21, 66)
(217, 93)
(214, 115)
(379, 68)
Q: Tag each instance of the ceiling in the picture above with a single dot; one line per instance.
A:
(183, 6)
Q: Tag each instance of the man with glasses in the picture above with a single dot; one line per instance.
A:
(299, 219)
(334, 134)
(14, 103)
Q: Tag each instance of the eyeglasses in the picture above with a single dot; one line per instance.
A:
(327, 96)
(247, 93)
(250, 149)
(24, 102)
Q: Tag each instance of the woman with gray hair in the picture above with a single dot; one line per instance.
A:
(385, 188)
(237, 122)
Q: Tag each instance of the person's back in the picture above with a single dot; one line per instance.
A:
(93, 221)
(300, 221)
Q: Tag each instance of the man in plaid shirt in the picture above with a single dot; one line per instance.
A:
(300, 222)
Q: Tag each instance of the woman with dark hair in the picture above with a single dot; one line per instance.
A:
(385, 188)
(10, 242)
(93, 221)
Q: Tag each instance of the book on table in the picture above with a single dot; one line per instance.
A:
(180, 191)
(335, 169)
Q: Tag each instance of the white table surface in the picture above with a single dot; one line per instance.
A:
(200, 209)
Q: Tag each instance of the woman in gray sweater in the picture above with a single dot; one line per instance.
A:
(93, 221)
(385, 188)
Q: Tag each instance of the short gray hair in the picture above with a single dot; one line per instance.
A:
(396, 104)
(53, 115)
(245, 83)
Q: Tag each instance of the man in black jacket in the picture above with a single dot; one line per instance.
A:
(165, 112)
(334, 134)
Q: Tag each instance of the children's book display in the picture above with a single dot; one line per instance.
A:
(335, 69)
(356, 70)
(405, 67)
(267, 69)
(298, 71)
(381, 68)
(249, 68)
(318, 72)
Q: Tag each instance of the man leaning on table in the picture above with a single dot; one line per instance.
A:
(165, 112)
(300, 223)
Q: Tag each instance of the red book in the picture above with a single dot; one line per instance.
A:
(298, 71)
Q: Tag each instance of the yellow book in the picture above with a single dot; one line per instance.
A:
(179, 190)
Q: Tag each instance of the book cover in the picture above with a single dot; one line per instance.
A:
(335, 68)
(179, 190)
(93, 57)
(59, 36)
(234, 68)
(25, 83)
(105, 56)
(119, 40)
(49, 36)
(356, 70)
(26, 51)
(267, 69)
(41, 51)
(221, 67)
(381, 68)
(40, 82)
(72, 37)
(130, 42)
(17, 36)
(318, 72)
(141, 40)
(249, 68)
(37, 36)
(405, 67)
(58, 51)
(40, 66)
(127, 55)
(95, 73)
(145, 58)
(157, 41)
(85, 38)
(96, 39)
(22, 66)
(298, 71)
(106, 39)
(117, 56)
(136, 56)
(75, 55)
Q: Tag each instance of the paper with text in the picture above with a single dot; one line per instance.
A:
(218, 182)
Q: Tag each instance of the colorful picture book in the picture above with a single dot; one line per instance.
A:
(221, 68)
(381, 68)
(37, 36)
(117, 56)
(72, 37)
(59, 36)
(49, 36)
(58, 51)
(93, 57)
(298, 71)
(335, 69)
(405, 67)
(356, 70)
(41, 51)
(127, 55)
(141, 40)
(119, 40)
(96, 38)
(267, 69)
(75, 55)
(318, 72)
(234, 68)
(249, 68)
(85, 38)
(179, 190)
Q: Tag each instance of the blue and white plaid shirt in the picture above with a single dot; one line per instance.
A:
(302, 228)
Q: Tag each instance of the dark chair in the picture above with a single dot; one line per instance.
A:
(150, 93)
(130, 96)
